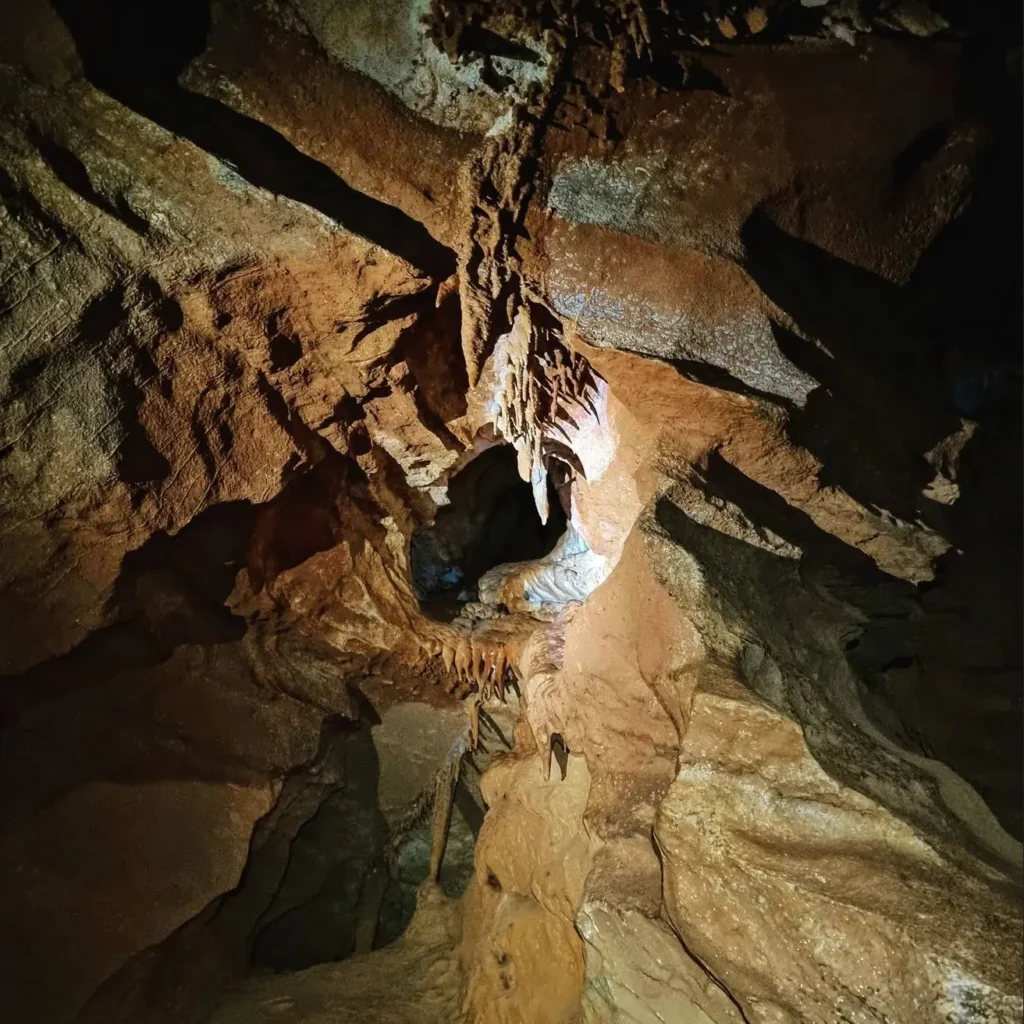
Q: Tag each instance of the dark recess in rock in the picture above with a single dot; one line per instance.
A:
(491, 519)
(136, 55)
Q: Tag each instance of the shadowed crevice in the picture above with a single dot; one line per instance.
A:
(898, 366)
(170, 591)
(135, 53)
(937, 661)
(74, 175)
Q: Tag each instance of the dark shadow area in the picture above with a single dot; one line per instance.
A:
(315, 511)
(311, 892)
(135, 53)
(432, 351)
(326, 896)
(916, 155)
(297, 903)
(87, 714)
(26, 209)
(409, 862)
(889, 605)
(719, 377)
(468, 805)
(900, 366)
(72, 172)
(139, 463)
(867, 440)
(963, 692)
(940, 663)
(179, 584)
(170, 591)
(760, 595)
(491, 519)
(882, 397)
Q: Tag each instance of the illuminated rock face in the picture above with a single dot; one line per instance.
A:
(509, 513)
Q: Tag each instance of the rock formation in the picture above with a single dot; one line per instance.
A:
(510, 513)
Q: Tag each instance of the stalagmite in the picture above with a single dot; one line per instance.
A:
(474, 720)
(444, 795)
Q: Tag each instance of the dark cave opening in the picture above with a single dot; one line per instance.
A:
(348, 858)
(491, 519)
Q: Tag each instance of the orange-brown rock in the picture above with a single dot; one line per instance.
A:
(509, 512)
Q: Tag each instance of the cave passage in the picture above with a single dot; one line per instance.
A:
(491, 520)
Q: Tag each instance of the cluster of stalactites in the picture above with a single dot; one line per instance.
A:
(542, 388)
(470, 662)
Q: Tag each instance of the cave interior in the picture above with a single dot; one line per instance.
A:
(511, 512)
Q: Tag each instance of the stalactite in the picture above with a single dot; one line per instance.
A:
(540, 381)
(496, 188)
(477, 662)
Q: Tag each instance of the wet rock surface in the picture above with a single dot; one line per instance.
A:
(510, 512)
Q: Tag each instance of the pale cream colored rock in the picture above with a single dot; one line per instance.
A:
(638, 973)
(805, 898)
(522, 957)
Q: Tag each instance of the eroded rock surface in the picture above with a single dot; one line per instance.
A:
(510, 512)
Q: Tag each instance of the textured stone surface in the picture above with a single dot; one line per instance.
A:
(416, 979)
(272, 275)
(637, 972)
(171, 847)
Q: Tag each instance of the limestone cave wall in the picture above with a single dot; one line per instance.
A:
(510, 512)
